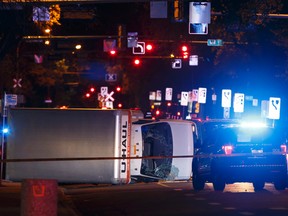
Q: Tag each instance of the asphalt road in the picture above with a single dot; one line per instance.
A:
(175, 198)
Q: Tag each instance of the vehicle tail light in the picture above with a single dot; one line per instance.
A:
(283, 148)
(227, 149)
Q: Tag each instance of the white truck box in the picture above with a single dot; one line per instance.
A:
(69, 133)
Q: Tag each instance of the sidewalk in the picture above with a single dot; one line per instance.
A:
(10, 200)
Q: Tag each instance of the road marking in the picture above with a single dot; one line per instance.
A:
(278, 208)
(189, 194)
(199, 198)
(178, 189)
(229, 208)
(214, 203)
(246, 213)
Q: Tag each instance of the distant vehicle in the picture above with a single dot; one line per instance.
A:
(161, 143)
(228, 151)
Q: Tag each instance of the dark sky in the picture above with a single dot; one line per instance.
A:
(253, 70)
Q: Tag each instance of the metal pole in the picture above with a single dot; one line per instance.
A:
(3, 139)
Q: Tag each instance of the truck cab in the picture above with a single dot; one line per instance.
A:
(162, 150)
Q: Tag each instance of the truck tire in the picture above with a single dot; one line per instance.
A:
(198, 182)
(280, 184)
(218, 183)
(258, 185)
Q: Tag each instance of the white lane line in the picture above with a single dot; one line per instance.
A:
(229, 208)
(246, 213)
(199, 198)
(190, 194)
(214, 203)
(278, 208)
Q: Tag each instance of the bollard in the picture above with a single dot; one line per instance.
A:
(39, 197)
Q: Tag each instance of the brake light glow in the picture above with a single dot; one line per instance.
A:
(227, 149)
(283, 148)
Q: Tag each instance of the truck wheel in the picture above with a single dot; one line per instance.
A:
(258, 185)
(198, 182)
(218, 183)
(280, 184)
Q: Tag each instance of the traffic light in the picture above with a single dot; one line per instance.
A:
(197, 107)
(149, 47)
(87, 95)
(92, 89)
(136, 62)
(178, 10)
(185, 51)
(112, 52)
(118, 89)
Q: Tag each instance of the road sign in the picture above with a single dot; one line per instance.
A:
(177, 63)
(17, 83)
(255, 102)
(200, 12)
(214, 98)
(139, 48)
(214, 42)
(10, 100)
(199, 17)
(132, 39)
(202, 95)
(226, 112)
(168, 94)
(193, 60)
(109, 45)
(184, 98)
(274, 108)
(152, 95)
(109, 96)
(158, 95)
(195, 95)
(226, 98)
(238, 102)
(104, 90)
(110, 77)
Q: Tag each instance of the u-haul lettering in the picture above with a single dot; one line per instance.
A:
(125, 128)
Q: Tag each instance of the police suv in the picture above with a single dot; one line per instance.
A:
(228, 151)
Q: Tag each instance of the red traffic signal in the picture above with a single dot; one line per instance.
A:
(92, 89)
(136, 61)
(118, 88)
(112, 52)
(149, 47)
(184, 49)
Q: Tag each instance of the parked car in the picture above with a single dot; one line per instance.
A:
(228, 151)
